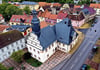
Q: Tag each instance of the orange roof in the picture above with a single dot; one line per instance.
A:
(56, 4)
(47, 14)
(2, 27)
(53, 16)
(95, 5)
(43, 24)
(43, 3)
(77, 6)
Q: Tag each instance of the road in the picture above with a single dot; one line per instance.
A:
(78, 58)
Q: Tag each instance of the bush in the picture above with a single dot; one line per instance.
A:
(11, 68)
(17, 56)
(26, 56)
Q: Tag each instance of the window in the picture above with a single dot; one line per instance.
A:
(7, 47)
(17, 19)
(28, 20)
(22, 46)
(30, 48)
(46, 50)
(38, 52)
(49, 47)
(39, 57)
(2, 50)
(33, 49)
(12, 23)
(52, 45)
(13, 19)
(13, 50)
(28, 30)
(47, 55)
(18, 48)
(8, 52)
(34, 55)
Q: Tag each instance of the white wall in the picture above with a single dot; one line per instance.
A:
(9, 48)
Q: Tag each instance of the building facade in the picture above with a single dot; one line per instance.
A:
(31, 5)
(10, 42)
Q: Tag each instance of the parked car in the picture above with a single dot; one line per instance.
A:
(84, 67)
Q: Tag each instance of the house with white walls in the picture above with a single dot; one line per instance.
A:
(42, 43)
(10, 42)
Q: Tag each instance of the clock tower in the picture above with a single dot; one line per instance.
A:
(35, 23)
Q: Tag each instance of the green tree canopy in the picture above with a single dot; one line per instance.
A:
(7, 10)
(13, 10)
(2, 67)
(17, 56)
(27, 10)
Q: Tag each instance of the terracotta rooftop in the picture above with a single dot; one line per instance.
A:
(44, 3)
(16, 18)
(61, 15)
(77, 6)
(57, 4)
(95, 5)
(43, 24)
(2, 27)
(53, 16)
(10, 37)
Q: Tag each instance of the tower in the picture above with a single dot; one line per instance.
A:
(35, 23)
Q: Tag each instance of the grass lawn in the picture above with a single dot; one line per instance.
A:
(96, 57)
(91, 69)
(33, 62)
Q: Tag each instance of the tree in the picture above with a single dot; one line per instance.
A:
(2, 9)
(27, 10)
(2, 67)
(17, 56)
(13, 10)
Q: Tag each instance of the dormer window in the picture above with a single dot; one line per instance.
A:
(17, 19)
(65, 22)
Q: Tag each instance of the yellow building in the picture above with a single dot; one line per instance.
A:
(31, 5)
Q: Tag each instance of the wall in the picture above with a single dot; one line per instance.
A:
(78, 23)
(10, 48)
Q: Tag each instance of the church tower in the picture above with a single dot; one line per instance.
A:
(35, 23)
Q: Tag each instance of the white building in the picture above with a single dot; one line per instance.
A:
(0, 1)
(44, 43)
(2, 20)
(96, 7)
(10, 42)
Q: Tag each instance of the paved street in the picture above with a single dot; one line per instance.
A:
(78, 58)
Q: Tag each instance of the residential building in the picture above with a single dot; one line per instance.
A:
(31, 5)
(10, 42)
(42, 43)
(96, 7)
(20, 19)
(77, 19)
(3, 28)
(2, 20)
(0, 1)
(24, 29)
(64, 6)
(89, 13)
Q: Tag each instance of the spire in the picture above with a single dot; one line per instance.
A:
(35, 23)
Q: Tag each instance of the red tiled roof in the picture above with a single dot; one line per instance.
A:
(16, 18)
(47, 14)
(44, 3)
(57, 4)
(43, 24)
(95, 5)
(62, 15)
(2, 27)
(53, 16)
(77, 6)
